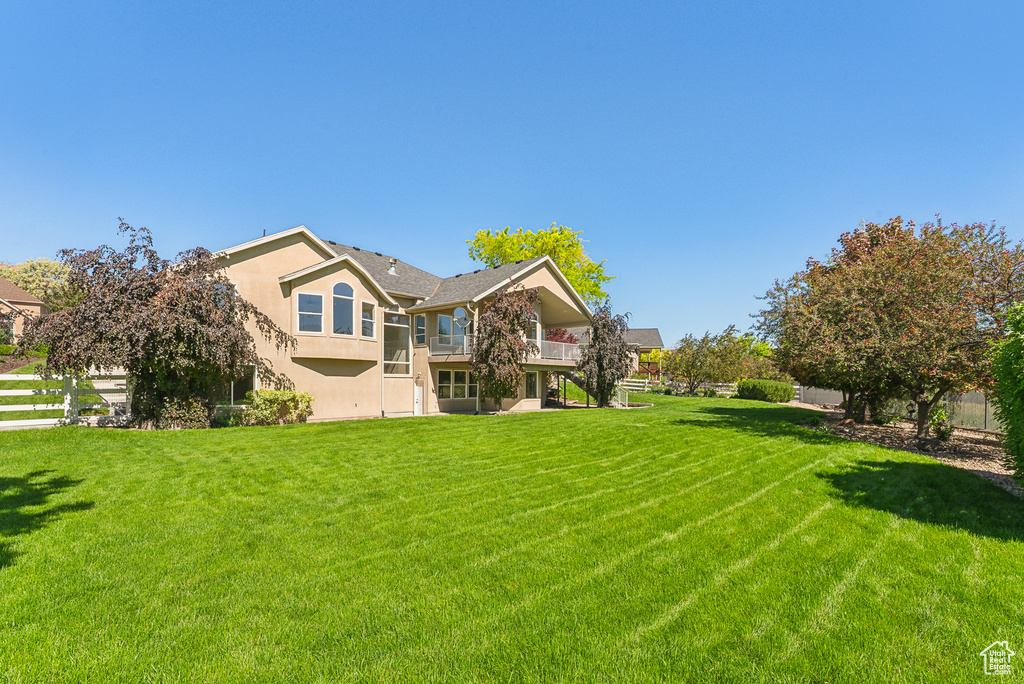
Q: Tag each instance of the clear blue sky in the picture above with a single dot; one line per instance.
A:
(703, 148)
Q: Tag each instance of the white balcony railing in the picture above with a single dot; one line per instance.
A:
(446, 345)
(449, 345)
(559, 351)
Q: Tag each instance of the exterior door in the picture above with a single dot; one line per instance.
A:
(418, 401)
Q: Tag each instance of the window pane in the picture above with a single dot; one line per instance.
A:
(368, 322)
(421, 329)
(460, 377)
(444, 326)
(472, 392)
(444, 391)
(459, 392)
(397, 351)
(396, 319)
(311, 303)
(444, 377)
(310, 323)
(343, 290)
(342, 316)
(531, 385)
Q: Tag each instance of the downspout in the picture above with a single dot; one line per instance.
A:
(476, 330)
(380, 355)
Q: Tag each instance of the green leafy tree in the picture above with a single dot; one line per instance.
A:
(1008, 369)
(897, 309)
(561, 243)
(696, 361)
(501, 347)
(606, 359)
(178, 328)
(46, 279)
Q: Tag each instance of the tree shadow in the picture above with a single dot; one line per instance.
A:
(764, 420)
(21, 507)
(933, 493)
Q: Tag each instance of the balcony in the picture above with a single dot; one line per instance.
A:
(462, 345)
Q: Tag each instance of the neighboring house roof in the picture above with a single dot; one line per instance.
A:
(344, 258)
(467, 287)
(645, 338)
(406, 280)
(13, 293)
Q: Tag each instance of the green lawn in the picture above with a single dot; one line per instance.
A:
(698, 540)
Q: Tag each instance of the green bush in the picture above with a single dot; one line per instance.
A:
(940, 423)
(1008, 369)
(38, 353)
(669, 392)
(6, 349)
(765, 390)
(183, 414)
(276, 407)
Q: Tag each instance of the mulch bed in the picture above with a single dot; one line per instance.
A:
(973, 450)
(9, 363)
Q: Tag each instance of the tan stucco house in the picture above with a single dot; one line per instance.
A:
(378, 336)
(17, 307)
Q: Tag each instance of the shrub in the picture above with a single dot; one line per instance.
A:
(6, 349)
(668, 392)
(765, 390)
(183, 414)
(37, 352)
(940, 423)
(276, 407)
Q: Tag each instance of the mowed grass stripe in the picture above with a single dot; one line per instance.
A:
(633, 545)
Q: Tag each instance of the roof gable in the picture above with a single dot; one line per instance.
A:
(343, 259)
(13, 293)
(406, 280)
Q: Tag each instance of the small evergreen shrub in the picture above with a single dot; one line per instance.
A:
(765, 390)
(669, 392)
(276, 407)
(6, 349)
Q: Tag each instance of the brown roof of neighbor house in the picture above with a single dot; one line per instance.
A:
(467, 286)
(13, 293)
(406, 280)
(645, 338)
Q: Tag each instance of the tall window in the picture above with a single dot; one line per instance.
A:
(459, 384)
(531, 332)
(311, 313)
(369, 319)
(444, 327)
(6, 328)
(397, 344)
(343, 309)
(532, 385)
(421, 329)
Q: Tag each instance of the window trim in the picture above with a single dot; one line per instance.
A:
(373, 321)
(352, 302)
(299, 313)
(416, 329)
(408, 326)
(471, 382)
(526, 385)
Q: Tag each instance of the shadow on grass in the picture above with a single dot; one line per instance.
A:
(933, 493)
(765, 420)
(20, 499)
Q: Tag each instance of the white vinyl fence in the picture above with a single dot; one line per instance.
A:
(112, 390)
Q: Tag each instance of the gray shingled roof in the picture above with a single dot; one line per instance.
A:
(407, 280)
(645, 338)
(465, 286)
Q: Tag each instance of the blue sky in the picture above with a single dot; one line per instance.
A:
(703, 148)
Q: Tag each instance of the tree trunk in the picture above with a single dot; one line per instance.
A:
(860, 412)
(847, 405)
(924, 411)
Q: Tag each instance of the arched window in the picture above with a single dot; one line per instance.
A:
(343, 302)
(459, 329)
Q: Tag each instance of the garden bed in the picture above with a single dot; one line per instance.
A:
(973, 450)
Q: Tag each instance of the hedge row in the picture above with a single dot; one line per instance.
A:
(765, 390)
